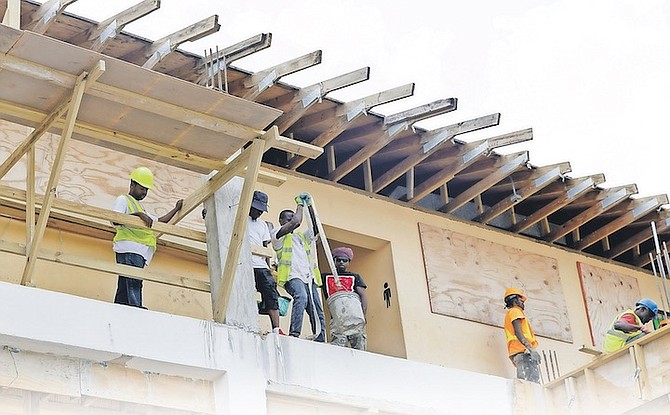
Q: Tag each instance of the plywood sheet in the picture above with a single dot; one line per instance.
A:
(606, 294)
(468, 276)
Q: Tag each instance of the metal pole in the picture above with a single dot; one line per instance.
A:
(661, 268)
(556, 359)
(658, 284)
(218, 69)
(546, 365)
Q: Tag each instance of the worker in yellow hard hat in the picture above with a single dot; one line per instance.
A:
(521, 342)
(136, 246)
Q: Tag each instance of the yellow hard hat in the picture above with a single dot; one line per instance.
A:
(143, 176)
(514, 291)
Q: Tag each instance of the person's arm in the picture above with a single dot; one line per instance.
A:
(626, 325)
(177, 207)
(364, 299)
(293, 224)
(534, 355)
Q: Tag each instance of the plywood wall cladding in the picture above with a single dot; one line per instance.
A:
(606, 294)
(468, 276)
(95, 176)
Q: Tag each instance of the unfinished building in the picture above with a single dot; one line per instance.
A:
(440, 227)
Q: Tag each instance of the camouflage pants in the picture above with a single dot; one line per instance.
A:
(358, 341)
(526, 368)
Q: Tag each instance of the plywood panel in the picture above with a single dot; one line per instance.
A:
(606, 294)
(467, 278)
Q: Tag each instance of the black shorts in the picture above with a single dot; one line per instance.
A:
(266, 285)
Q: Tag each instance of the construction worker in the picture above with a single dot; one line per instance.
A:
(259, 234)
(136, 246)
(630, 325)
(297, 270)
(347, 302)
(521, 342)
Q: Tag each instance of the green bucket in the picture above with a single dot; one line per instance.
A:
(284, 302)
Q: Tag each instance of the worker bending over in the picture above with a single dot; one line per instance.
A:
(630, 325)
(521, 342)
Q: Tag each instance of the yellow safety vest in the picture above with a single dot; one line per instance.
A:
(616, 339)
(143, 236)
(285, 254)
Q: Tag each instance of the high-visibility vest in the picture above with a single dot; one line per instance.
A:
(285, 254)
(514, 346)
(616, 339)
(143, 236)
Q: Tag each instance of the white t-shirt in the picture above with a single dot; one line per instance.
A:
(147, 252)
(300, 267)
(258, 233)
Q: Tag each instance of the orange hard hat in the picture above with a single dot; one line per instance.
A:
(514, 291)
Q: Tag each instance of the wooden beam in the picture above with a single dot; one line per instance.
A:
(437, 138)
(46, 14)
(30, 196)
(159, 49)
(12, 17)
(108, 267)
(367, 175)
(348, 112)
(306, 97)
(274, 139)
(662, 225)
(610, 198)
(75, 208)
(541, 178)
(572, 191)
(140, 147)
(260, 81)
(409, 183)
(393, 125)
(101, 34)
(637, 208)
(504, 167)
(72, 111)
(220, 304)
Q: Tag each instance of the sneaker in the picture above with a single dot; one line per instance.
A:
(279, 331)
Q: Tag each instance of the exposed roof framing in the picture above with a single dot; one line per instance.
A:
(388, 155)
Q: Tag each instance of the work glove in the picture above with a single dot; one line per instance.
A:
(307, 198)
(299, 201)
(535, 357)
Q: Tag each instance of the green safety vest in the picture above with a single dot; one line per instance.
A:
(284, 255)
(144, 236)
(616, 339)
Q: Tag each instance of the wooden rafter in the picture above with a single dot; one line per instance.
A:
(152, 54)
(467, 155)
(252, 87)
(348, 112)
(570, 191)
(393, 125)
(539, 179)
(12, 17)
(72, 111)
(46, 14)
(220, 303)
(662, 225)
(304, 98)
(432, 141)
(99, 35)
(226, 55)
(606, 200)
(636, 208)
(505, 166)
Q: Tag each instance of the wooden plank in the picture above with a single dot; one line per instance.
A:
(506, 166)
(574, 189)
(308, 96)
(349, 112)
(637, 208)
(435, 140)
(46, 14)
(56, 168)
(12, 17)
(220, 304)
(467, 276)
(611, 198)
(260, 81)
(662, 225)
(606, 294)
(228, 55)
(30, 197)
(541, 178)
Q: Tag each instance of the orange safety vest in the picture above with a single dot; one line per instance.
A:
(514, 346)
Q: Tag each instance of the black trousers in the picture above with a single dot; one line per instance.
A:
(129, 290)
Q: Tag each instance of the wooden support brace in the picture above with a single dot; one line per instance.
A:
(46, 14)
(72, 112)
(220, 304)
(228, 55)
(108, 29)
(30, 197)
(12, 17)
